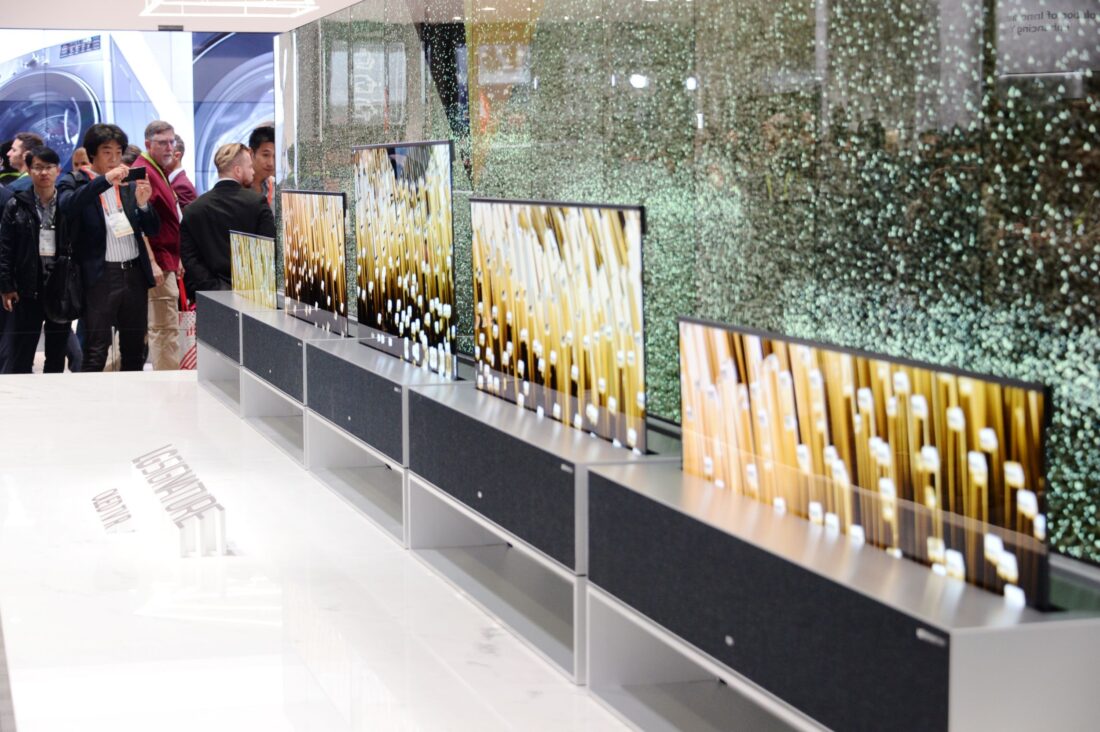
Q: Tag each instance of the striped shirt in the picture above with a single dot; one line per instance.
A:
(118, 249)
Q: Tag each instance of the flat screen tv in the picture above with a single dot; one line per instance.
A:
(404, 242)
(253, 267)
(314, 259)
(558, 312)
(942, 466)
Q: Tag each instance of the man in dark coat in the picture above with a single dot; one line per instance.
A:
(31, 233)
(228, 206)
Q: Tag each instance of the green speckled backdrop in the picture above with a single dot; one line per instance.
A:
(919, 178)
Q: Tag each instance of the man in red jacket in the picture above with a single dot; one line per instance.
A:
(181, 184)
(160, 143)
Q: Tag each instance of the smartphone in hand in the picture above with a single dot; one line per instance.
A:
(135, 174)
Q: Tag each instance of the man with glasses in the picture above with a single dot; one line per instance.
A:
(158, 160)
(31, 232)
(228, 206)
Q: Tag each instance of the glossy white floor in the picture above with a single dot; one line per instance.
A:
(318, 622)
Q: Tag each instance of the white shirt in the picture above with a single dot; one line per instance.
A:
(118, 249)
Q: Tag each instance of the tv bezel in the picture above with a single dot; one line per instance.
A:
(305, 311)
(643, 447)
(366, 333)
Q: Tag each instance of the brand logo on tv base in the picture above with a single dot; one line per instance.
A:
(193, 509)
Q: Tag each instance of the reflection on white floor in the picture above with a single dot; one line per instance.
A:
(317, 623)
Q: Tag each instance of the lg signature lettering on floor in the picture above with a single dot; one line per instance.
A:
(112, 511)
(180, 491)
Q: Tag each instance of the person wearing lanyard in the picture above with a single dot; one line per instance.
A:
(113, 217)
(30, 230)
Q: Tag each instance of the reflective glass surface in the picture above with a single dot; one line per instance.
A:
(919, 178)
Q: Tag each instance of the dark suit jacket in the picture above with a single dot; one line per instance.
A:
(78, 202)
(204, 234)
(5, 196)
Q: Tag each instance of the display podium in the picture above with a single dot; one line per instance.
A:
(357, 434)
(499, 506)
(681, 605)
(844, 633)
(218, 340)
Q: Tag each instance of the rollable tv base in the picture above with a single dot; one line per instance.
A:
(844, 633)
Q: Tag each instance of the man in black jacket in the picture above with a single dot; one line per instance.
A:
(111, 217)
(7, 321)
(228, 206)
(30, 233)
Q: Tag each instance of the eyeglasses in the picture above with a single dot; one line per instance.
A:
(164, 143)
(43, 168)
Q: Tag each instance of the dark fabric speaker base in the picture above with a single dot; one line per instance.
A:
(365, 404)
(839, 656)
(520, 487)
(218, 326)
(274, 356)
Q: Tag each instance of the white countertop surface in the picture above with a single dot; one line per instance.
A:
(317, 622)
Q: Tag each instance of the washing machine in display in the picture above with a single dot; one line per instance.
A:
(56, 92)
(59, 91)
(234, 77)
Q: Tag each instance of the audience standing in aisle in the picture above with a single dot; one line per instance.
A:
(80, 159)
(31, 233)
(130, 154)
(23, 143)
(113, 217)
(7, 172)
(177, 176)
(228, 206)
(164, 351)
(262, 144)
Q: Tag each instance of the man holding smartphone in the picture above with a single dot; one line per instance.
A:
(155, 162)
(110, 209)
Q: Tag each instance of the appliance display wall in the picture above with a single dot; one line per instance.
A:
(253, 267)
(940, 466)
(59, 83)
(558, 312)
(234, 93)
(314, 262)
(404, 252)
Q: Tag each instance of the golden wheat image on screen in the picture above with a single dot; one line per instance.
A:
(404, 252)
(314, 261)
(942, 467)
(558, 313)
(253, 267)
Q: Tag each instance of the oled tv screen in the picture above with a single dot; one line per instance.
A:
(939, 466)
(314, 261)
(558, 313)
(404, 252)
(253, 267)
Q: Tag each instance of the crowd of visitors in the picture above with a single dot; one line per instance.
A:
(93, 259)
